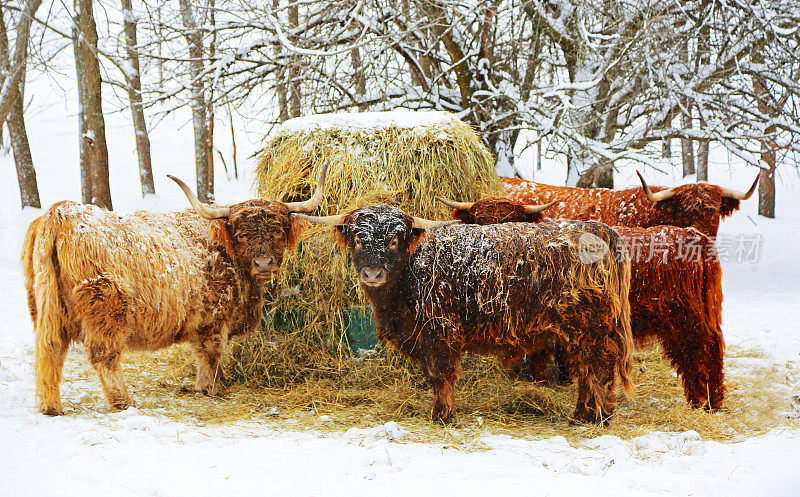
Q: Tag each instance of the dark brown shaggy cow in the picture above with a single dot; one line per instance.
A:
(146, 280)
(675, 297)
(505, 290)
(696, 205)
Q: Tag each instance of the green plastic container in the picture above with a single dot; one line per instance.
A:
(360, 329)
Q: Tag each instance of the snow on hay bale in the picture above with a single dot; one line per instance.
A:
(398, 158)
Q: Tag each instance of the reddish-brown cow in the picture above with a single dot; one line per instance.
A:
(505, 290)
(146, 280)
(675, 297)
(696, 205)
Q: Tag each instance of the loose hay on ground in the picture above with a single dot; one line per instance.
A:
(488, 400)
(299, 366)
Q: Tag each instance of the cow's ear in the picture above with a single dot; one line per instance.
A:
(293, 229)
(728, 206)
(415, 238)
(536, 217)
(219, 231)
(464, 216)
(343, 234)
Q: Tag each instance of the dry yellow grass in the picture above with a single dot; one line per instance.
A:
(299, 362)
(378, 389)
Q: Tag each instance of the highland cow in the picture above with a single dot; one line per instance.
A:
(675, 297)
(146, 280)
(505, 290)
(696, 205)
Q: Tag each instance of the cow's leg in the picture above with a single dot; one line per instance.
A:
(208, 355)
(534, 366)
(594, 366)
(106, 358)
(105, 334)
(698, 359)
(562, 364)
(50, 354)
(442, 367)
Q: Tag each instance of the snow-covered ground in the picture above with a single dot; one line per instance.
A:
(142, 453)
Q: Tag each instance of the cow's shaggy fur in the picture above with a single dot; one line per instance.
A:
(675, 297)
(695, 205)
(145, 281)
(505, 290)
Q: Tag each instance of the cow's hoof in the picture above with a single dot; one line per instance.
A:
(206, 392)
(580, 420)
(122, 404)
(52, 411)
(443, 419)
(443, 422)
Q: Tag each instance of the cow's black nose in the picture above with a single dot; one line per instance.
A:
(373, 276)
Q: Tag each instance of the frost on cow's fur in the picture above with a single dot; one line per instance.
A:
(503, 290)
(144, 281)
(697, 205)
(675, 298)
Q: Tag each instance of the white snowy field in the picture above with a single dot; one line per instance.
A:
(143, 453)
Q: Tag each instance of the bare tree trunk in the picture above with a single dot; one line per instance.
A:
(687, 145)
(159, 41)
(134, 83)
(26, 174)
(14, 80)
(294, 68)
(358, 74)
(766, 184)
(90, 81)
(85, 165)
(703, 58)
(212, 47)
(539, 155)
(280, 87)
(194, 39)
(666, 143)
(702, 156)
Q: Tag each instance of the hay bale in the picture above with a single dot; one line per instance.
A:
(396, 158)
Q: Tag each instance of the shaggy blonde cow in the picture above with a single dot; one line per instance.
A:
(146, 280)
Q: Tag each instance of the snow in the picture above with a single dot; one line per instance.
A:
(371, 120)
(138, 452)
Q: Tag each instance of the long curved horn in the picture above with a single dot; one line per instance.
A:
(658, 196)
(427, 224)
(312, 203)
(730, 192)
(535, 209)
(461, 206)
(207, 211)
(336, 220)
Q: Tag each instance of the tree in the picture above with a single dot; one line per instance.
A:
(13, 73)
(134, 88)
(202, 152)
(94, 158)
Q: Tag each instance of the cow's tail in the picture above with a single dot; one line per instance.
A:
(711, 321)
(27, 264)
(40, 262)
(624, 335)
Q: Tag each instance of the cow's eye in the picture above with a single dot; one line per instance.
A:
(393, 243)
(357, 241)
